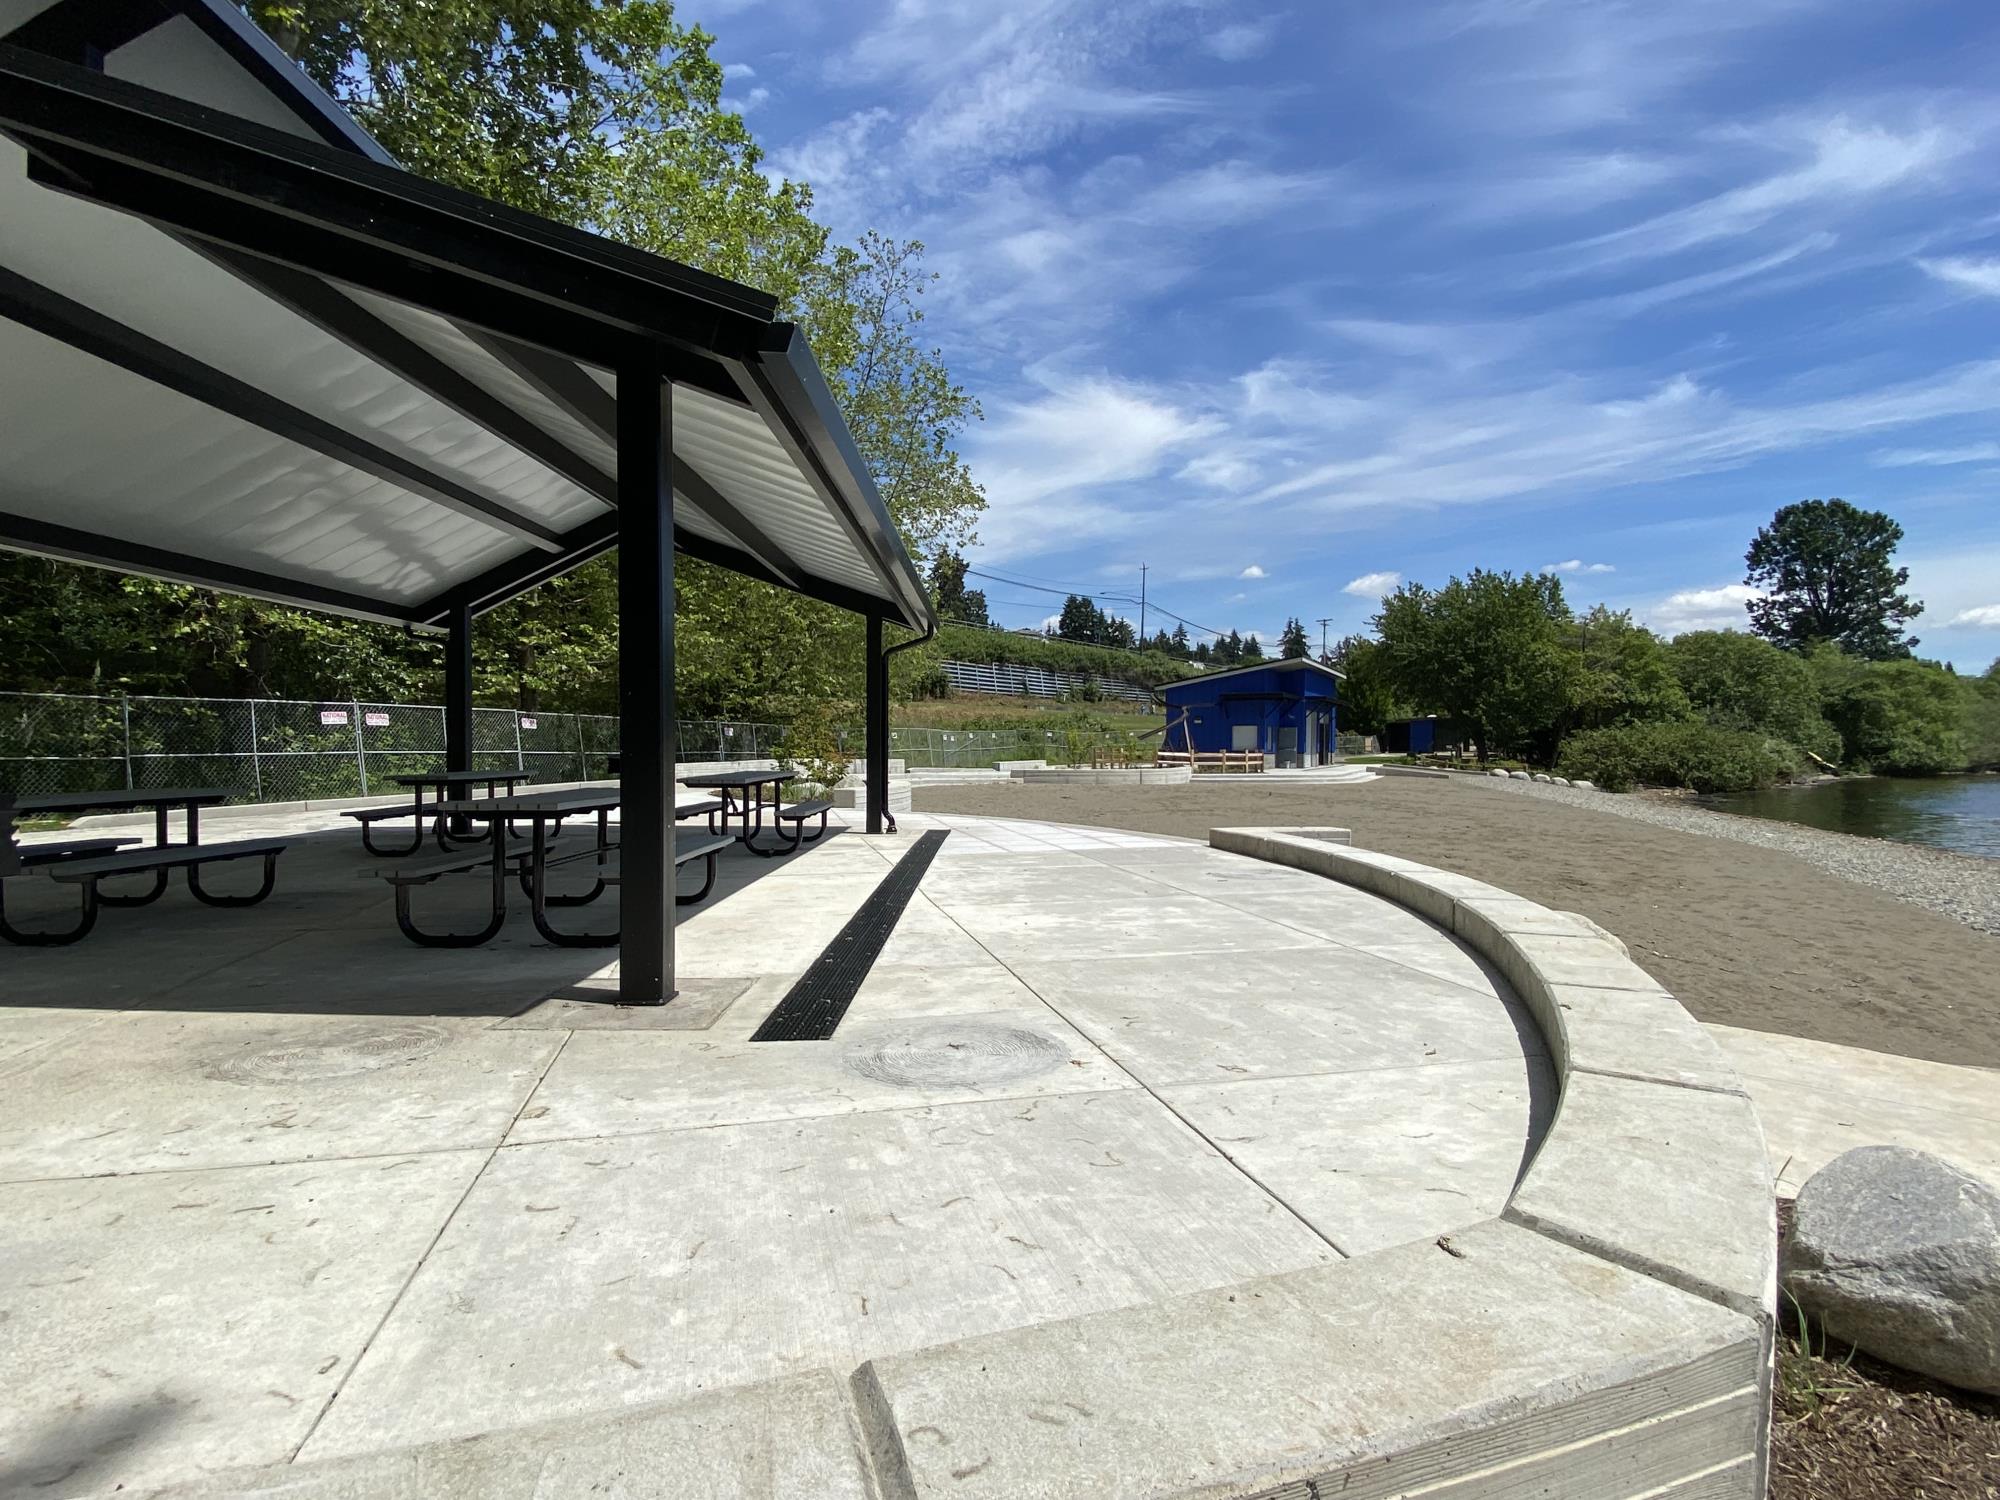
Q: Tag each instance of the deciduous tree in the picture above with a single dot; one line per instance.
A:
(1827, 570)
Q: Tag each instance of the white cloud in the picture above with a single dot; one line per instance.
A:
(1719, 608)
(1966, 273)
(1578, 565)
(1904, 458)
(1253, 571)
(1372, 585)
(1980, 617)
(1241, 40)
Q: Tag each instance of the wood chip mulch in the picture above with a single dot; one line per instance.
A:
(1848, 1427)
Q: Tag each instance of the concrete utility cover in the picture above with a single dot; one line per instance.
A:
(362, 1048)
(957, 1054)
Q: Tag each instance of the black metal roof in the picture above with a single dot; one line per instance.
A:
(255, 354)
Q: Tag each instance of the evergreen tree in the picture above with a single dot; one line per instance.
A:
(1180, 643)
(1293, 643)
(1828, 574)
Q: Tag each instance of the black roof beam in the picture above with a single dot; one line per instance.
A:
(348, 206)
(335, 313)
(576, 392)
(55, 316)
(48, 539)
(517, 575)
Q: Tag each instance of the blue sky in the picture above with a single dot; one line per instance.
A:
(1291, 301)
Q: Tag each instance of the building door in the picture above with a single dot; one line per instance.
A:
(1243, 737)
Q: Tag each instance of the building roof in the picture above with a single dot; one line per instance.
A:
(239, 347)
(1286, 664)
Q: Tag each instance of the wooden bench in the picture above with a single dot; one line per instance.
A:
(708, 847)
(158, 861)
(795, 815)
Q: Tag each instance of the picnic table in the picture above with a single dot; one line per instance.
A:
(86, 862)
(743, 795)
(447, 785)
(161, 801)
(529, 861)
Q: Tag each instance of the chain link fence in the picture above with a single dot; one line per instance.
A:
(276, 750)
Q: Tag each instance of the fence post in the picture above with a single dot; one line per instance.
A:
(256, 765)
(582, 755)
(520, 760)
(125, 717)
(360, 755)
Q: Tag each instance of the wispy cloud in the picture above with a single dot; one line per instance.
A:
(1578, 565)
(1906, 458)
(1253, 571)
(1242, 40)
(1372, 585)
(1967, 273)
(1982, 617)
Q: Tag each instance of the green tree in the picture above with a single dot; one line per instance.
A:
(1740, 681)
(1624, 676)
(954, 600)
(1253, 649)
(1292, 643)
(1828, 574)
(1367, 695)
(1080, 620)
(1904, 718)
(1180, 641)
(1490, 650)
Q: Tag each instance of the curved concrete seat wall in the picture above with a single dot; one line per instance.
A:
(1607, 1337)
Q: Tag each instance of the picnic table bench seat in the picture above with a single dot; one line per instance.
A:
(159, 861)
(35, 855)
(704, 846)
(788, 825)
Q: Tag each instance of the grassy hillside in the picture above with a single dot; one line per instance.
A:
(969, 643)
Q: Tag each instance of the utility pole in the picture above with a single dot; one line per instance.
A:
(1142, 604)
(1322, 635)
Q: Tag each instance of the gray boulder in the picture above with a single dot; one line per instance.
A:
(1898, 1252)
(1518, 775)
(1587, 786)
(1496, 771)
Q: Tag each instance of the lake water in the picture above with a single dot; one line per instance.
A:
(1951, 812)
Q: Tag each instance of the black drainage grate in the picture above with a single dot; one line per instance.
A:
(814, 1006)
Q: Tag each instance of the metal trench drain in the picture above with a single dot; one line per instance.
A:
(812, 1008)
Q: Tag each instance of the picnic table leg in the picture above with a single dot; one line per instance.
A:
(160, 826)
(538, 906)
(194, 825)
(86, 920)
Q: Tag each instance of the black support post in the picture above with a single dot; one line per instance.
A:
(645, 680)
(458, 690)
(877, 774)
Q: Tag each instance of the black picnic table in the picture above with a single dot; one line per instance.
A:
(160, 800)
(743, 795)
(449, 785)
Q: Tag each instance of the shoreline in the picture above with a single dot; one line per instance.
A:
(1964, 887)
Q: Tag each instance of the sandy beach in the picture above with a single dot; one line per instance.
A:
(1744, 935)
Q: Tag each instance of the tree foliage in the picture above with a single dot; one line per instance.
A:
(948, 591)
(1293, 642)
(1739, 681)
(609, 117)
(1828, 574)
(1623, 674)
(1491, 650)
(1905, 718)
(1368, 697)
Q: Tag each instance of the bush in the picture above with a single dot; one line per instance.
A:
(1698, 756)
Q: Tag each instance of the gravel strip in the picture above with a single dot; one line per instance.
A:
(1953, 885)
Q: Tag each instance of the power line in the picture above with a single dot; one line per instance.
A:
(1085, 593)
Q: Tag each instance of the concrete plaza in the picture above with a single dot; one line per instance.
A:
(277, 1185)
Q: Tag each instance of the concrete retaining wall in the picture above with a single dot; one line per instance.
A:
(1108, 776)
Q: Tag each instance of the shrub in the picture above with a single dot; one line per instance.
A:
(1694, 755)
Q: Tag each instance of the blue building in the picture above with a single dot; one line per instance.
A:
(1284, 709)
